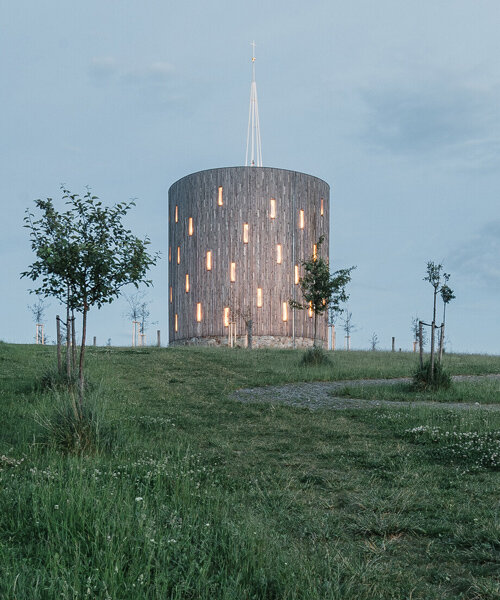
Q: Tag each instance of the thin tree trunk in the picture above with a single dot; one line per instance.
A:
(58, 329)
(249, 334)
(82, 357)
(441, 342)
(433, 335)
(421, 343)
(68, 339)
(73, 340)
(315, 321)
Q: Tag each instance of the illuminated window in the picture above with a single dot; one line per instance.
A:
(259, 297)
(278, 254)
(198, 311)
(301, 219)
(297, 274)
(226, 316)
(272, 212)
(170, 294)
(209, 260)
(176, 214)
(170, 254)
(178, 255)
(190, 226)
(284, 311)
(219, 196)
(321, 210)
(233, 272)
(176, 323)
(315, 251)
(187, 283)
(310, 311)
(245, 233)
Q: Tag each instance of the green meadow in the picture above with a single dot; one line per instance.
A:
(190, 494)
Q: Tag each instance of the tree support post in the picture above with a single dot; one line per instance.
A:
(158, 342)
(394, 344)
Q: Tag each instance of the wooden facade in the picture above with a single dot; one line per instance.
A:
(236, 235)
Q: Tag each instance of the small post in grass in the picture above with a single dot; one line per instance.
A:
(394, 344)
(158, 342)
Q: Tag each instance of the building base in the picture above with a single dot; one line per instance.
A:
(258, 341)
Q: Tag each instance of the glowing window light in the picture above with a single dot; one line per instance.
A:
(176, 214)
(178, 255)
(315, 251)
(187, 283)
(297, 274)
(284, 311)
(245, 233)
(310, 311)
(278, 254)
(272, 212)
(176, 323)
(233, 272)
(301, 219)
(226, 316)
(170, 254)
(209, 260)
(170, 294)
(219, 197)
(198, 311)
(321, 210)
(190, 226)
(259, 297)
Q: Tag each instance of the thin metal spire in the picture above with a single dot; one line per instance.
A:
(253, 133)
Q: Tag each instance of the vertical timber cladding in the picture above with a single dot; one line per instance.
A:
(246, 199)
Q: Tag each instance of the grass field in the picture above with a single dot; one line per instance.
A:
(200, 496)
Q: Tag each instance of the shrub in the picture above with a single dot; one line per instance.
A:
(315, 357)
(73, 430)
(423, 381)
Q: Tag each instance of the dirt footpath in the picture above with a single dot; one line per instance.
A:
(318, 395)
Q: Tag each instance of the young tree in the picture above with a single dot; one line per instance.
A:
(415, 329)
(38, 311)
(85, 255)
(439, 280)
(447, 296)
(374, 342)
(348, 326)
(321, 291)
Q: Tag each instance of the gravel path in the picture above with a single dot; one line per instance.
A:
(322, 394)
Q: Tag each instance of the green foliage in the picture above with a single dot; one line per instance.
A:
(426, 379)
(320, 290)
(315, 356)
(86, 248)
(85, 255)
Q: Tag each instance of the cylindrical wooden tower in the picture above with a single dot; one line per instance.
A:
(237, 238)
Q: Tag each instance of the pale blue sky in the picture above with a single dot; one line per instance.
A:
(395, 104)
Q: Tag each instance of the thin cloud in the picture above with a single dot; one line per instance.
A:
(103, 69)
(439, 118)
(478, 259)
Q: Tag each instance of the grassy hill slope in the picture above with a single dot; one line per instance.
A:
(200, 496)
